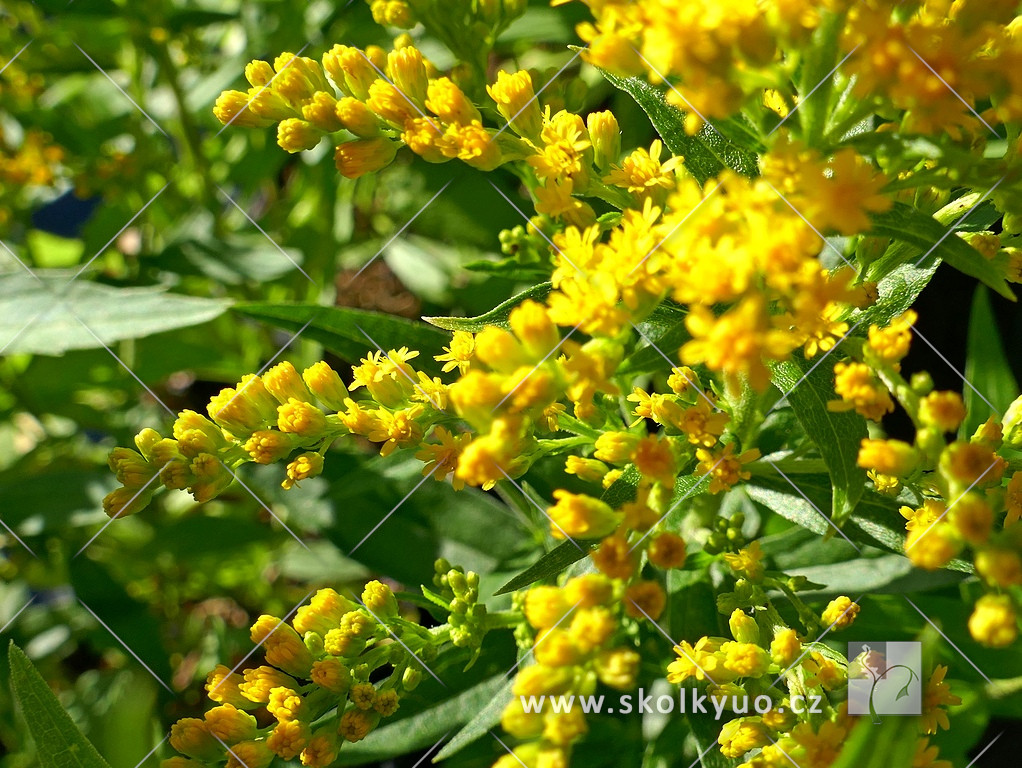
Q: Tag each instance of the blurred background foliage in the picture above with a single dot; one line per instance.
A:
(124, 206)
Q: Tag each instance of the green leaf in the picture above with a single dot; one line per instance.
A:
(478, 726)
(498, 316)
(705, 730)
(987, 371)
(836, 435)
(351, 333)
(891, 744)
(548, 566)
(665, 332)
(914, 227)
(422, 730)
(708, 152)
(896, 292)
(58, 741)
(817, 78)
(83, 315)
(875, 521)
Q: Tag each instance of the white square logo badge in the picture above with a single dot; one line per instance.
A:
(884, 678)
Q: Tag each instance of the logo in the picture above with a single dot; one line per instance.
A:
(884, 679)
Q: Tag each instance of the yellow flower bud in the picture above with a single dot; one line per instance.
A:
(250, 754)
(351, 70)
(326, 385)
(331, 674)
(355, 724)
(288, 739)
(589, 590)
(294, 135)
(592, 627)
(268, 104)
(191, 737)
(301, 418)
(578, 515)
(386, 702)
(888, 457)
(323, 613)
(260, 681)
(448, 102)
(223, 686)
(785, 648)
(563, 728)
(131, 468)
(545, 606)
(196, 434)
(742, 735)
(284, 704)
(516, 101)
(535, 330)
(645, 600)
(123, 502)
(743, 627)
(321, 112)
(230, 724)
(616, 447)
(407, 70)
(211, 477)
(539, 680)
(943, 410)
(267, 446)
(379, 599)
(258, 73)
(321, 751)
(357, 158)
(234, 108)
(605, 134)
(618, 668)
(519, 723)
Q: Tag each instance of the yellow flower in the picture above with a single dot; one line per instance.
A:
(999, 567)
(724, 468)
(889, 457)
(742, 735)
(459, 353)
(667, 550)
(785, 648)
(994, 622)
(840, 613)
(589, 590)
(937, 696)
(745, 659)
(736, 343)
(859, 389)
(642, 173)
(441, 459)
(288, 739)
(618, 668)
(747, 561)
(943, 410)
(190, 736)
(578, 515)
(355, 724)
(654, 458)
(304, 466)
(294, 135)
(891, 344)
(301, 418)
(645, 599)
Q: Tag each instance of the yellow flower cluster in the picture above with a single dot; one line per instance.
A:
(576, 647)
(313, 693)
(264, 419)
(971, 500)
(748, 668)
(940, 65)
